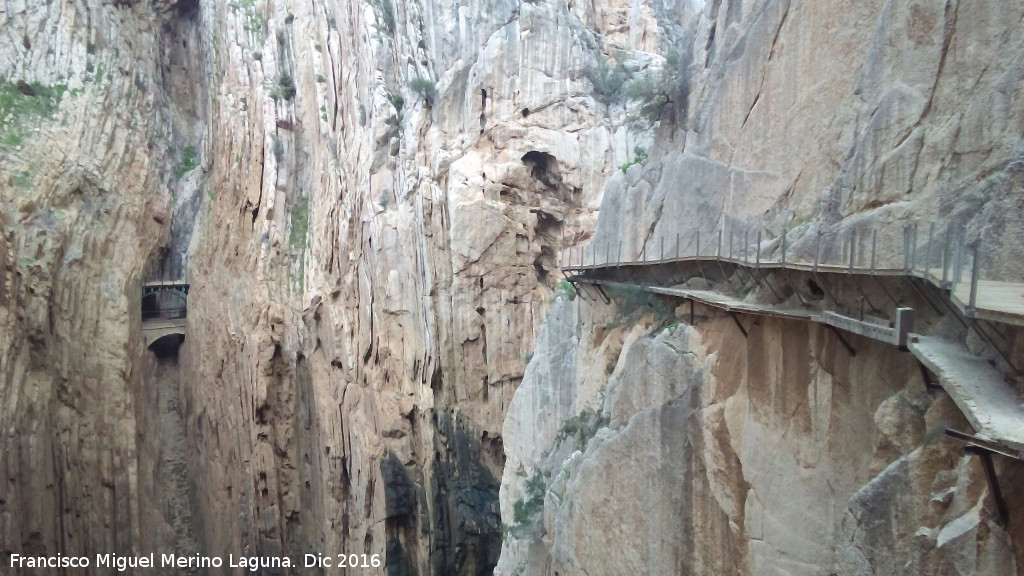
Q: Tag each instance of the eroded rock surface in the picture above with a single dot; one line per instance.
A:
(702, 451)
(368, 199)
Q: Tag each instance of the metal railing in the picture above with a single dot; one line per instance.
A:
(938, 254)
(164, 314)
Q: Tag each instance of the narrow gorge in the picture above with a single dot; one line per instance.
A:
(512, 287)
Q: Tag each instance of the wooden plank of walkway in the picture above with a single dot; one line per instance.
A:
(982, 393)
(997, 301)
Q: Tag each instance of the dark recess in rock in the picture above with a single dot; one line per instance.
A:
(399, 493)
(467, 522)
(544, 168)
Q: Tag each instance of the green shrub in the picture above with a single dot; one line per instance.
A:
(565, 287)
(656, 91)
(397, 101)
(526, 511)
(639, 156)
(299, 224)
(582, 427)
(632, 302)
(189, 162)
(424, 87)
(677, 350)
(22, 104)
(278, 148)
(23, 179)
(607, 79)
(285, 88)
(384, 12)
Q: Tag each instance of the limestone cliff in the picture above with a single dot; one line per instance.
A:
(641, 445)
(367, 199)
(670, 444)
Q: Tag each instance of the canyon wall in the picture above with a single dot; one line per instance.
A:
(646, 440)
(90, 100)
(368, 198)
(640, 444)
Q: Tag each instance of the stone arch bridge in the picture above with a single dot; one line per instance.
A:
(164, 307)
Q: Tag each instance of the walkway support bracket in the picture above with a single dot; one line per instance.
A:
(984, 450)
(839, 336)
(738, 323)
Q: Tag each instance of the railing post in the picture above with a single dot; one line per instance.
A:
(718, 253)
(874, 247)
(698, 244)
(731, 234)
(906, 249)
(661, 248)
(958, 259)
(928, 256)
(677, 245)
(904, 324)
(607, 252)
(817, 252)
(746, 246)
(913, 248)
(757, 263)
(945, 255)
(783, 247)
(853, 249)
(972, 305)
(618, 254)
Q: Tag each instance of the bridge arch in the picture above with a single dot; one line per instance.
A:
(164, 305)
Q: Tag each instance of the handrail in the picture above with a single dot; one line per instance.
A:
(942, 260)
(164, 313)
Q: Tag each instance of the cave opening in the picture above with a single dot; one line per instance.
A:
(543, 168)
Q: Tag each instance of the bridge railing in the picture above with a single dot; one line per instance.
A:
(164, 314)
(940, 254)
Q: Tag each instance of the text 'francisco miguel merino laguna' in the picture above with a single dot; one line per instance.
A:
(251, 563)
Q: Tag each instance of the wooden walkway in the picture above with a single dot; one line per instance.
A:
(994, 301)
(989, 401)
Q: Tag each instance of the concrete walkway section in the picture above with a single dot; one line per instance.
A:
(983, 394)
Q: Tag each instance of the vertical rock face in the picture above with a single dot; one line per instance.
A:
(367, 199)
(87, 131)
(641, 446)
(694, 449)
(388, 187)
